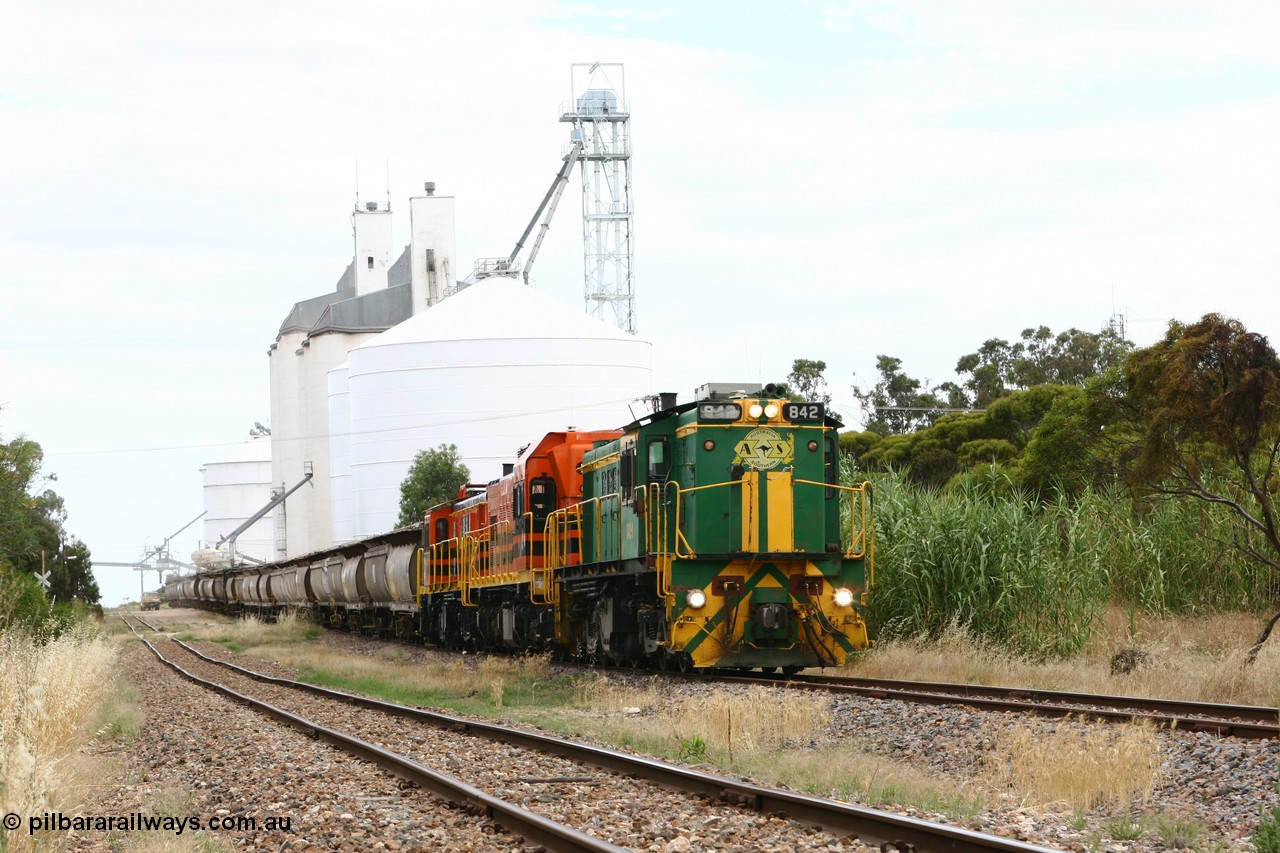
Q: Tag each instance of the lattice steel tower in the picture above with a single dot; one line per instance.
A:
(601, 117)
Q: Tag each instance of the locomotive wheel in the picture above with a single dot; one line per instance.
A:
(791, 670)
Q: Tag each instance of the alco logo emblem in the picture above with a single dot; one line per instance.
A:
(763, 449)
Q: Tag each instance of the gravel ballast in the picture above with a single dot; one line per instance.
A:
(217, 758)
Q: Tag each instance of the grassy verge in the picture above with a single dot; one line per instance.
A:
(1197, 658)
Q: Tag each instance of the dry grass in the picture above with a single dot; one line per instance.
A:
(757, 719)
(844, 773)
(1078, 766)
(251, 631)
(756, 733)
(52, 697)
(396, 675)
(1198, 658)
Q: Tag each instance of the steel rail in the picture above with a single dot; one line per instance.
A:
(520, 821)
(1244, 721)
(869, 825)
(1220, 710)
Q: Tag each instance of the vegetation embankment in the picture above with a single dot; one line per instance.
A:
(33, 539)
(1093, 477)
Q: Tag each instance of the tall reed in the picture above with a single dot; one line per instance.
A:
(1036, 575)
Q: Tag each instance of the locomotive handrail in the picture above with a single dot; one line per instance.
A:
(689, 554)
(861, 535)
(559, 528)
(542, 588)
(466, 555)
(656, 526)
(444, 553)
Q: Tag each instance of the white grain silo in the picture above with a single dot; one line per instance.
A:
(236, 487)
(493, 367)
(340, 454)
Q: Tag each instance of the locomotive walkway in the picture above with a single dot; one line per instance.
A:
(615, 806)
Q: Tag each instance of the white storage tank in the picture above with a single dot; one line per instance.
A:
(235, 488)
(489, 369)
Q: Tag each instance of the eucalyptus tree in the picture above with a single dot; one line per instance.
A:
(1197, 416)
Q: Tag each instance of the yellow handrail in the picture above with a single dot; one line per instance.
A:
(861, 526)
(689, 554)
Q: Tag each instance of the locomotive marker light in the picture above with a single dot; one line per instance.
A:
(697, 599)
(709, 444)
(719, 411)
(843, 597)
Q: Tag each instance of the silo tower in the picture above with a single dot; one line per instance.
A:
(601, 117)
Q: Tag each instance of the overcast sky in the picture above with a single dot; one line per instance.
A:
(827, 180)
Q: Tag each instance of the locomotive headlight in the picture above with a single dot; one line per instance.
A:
(843, 597)
(755, 411)
(771, 410)
(697, 599)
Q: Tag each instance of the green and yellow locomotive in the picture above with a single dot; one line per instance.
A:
(714, 534)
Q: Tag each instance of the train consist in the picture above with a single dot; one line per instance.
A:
(713, 534)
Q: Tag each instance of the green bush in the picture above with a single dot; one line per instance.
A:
(22, 600)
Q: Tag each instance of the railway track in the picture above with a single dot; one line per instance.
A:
(880, 830)
(530, 825)
(1244, 721)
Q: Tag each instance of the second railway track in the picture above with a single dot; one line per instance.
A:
(1246, 721)
(634, 802)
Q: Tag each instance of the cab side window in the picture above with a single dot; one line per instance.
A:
(659, 459)
(542, 498)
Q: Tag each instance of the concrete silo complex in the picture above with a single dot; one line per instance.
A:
(400, 357)
(372, 295)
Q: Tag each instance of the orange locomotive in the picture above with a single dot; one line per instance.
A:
(483, 574)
